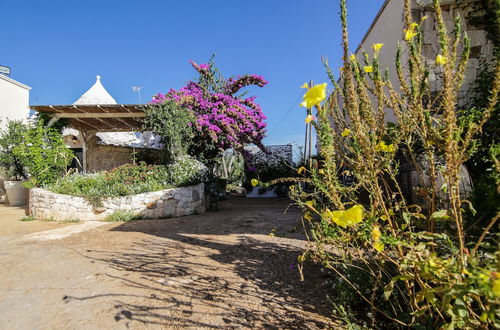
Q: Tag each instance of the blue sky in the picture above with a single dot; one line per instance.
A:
(58, 47)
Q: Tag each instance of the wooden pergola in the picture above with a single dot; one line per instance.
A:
(89, 119)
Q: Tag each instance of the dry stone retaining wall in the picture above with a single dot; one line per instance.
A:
(173, 202)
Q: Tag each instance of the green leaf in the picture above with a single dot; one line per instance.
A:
(388, 290)
(440, 215)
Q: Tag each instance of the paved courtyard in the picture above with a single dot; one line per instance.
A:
(218, 269)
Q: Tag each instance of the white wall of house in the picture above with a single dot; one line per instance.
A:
(14, 100)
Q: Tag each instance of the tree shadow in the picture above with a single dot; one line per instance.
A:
(216, 270)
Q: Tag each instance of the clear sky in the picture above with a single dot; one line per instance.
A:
(58, 47)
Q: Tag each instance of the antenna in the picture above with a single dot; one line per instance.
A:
(138, 90)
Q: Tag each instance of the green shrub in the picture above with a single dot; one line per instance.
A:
(43, 154)
(122, 181)
(124, 216)
(186, 171)
(11, 136)
(27, 218)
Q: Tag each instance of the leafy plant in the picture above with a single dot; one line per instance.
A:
(221, 117)
(12, 135)
(186, 171)
(419, 267)
(43, 154)
(125, 180)
(125, 216)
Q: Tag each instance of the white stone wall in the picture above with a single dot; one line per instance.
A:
(14, 100)
(167, 203)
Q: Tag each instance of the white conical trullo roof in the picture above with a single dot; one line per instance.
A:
(97, 94)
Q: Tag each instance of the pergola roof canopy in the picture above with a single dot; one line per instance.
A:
(97, 117)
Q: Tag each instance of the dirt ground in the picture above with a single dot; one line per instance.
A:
(220, 269)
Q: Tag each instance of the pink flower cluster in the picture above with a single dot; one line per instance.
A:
(229, 121)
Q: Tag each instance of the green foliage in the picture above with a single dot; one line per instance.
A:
(27, 218)
(174, 124)
(121, 181)
(13, 135)
(186, 171)
(125, 216)
(43, 154)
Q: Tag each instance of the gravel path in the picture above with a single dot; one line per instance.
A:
(216, 270)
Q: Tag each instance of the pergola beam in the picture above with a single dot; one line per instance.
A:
(98, 115)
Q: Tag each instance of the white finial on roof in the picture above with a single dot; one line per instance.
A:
(97, 94)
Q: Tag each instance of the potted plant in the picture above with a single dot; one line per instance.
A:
(11, 136)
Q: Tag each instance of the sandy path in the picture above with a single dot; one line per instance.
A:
(218, 269)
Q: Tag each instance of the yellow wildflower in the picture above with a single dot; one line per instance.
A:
(352, 57)
(309, 119)
(346, 132)
(368, 68)
(424, 18)
(376, 233)
(379, 246)
(301, 169)
(440, 60)
(314, 96)
(376, 47)
(304, 85)
(321, 171)
(254, 182)
(381, 146)
(496, 287)
(347, 218)
(413, 26)
(310, 204)
(308, 216)
(410, 34)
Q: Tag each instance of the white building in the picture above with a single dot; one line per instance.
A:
(14, 100)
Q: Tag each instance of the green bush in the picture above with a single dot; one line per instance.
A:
(124, 216)
(11, 136)
(186, 171)
(122, 181)
(43, 154)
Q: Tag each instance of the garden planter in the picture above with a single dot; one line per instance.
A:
(16, 193)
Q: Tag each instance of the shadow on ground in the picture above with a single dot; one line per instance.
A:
(218, 269)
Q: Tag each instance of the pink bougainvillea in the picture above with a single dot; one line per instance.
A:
(228, 120)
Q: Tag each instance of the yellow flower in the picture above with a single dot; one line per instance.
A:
(309, 119)
(376, 233)
(347, 218)
(254, 182)
(304, 85)
(321, 171)
(376, 47)
(314, 96)
(308, 216)
(353, 57)
(381, 146)
(496, 287)
(424, 18)
(440, 60)
(310, 204)
(413, 26)
(410, 34)
(368, 68)
(346, 132)
(301, 169)
(379, 246)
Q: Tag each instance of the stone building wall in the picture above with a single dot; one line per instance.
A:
(167, 203)
(481, 47)
(105, 157)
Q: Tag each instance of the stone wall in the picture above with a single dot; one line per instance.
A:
(167, 203)
(481, 47)
(103, 157)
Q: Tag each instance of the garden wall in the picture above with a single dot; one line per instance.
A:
(172, 202)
